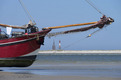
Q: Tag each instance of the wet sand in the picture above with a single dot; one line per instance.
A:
(23, 76)
(67, 67)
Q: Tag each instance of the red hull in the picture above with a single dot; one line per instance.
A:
(19, 46)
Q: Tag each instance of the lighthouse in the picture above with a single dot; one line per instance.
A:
(59, 45)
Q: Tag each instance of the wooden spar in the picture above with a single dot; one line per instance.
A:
(99, 24)
(17, 27)
(103, 20)
(81, 24)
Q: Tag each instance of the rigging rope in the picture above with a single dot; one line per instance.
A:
(72, 44)
(26, 11)
(89, 2)
(93, 33)
(75, 42)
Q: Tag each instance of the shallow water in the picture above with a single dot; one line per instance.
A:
(77, 65)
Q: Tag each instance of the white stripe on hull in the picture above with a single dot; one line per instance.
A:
(33, 53)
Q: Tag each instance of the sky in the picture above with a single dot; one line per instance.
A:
(48, 13)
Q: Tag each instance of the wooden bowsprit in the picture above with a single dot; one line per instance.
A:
(98, 24)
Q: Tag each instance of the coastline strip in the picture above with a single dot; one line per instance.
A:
(82, 52)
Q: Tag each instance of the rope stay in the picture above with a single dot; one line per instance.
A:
(89, 2)
(75, 42)
(93, 33)
(26, 11)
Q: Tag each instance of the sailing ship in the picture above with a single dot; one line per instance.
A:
(20, 48)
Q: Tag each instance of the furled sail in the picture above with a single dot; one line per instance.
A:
(99, 24)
